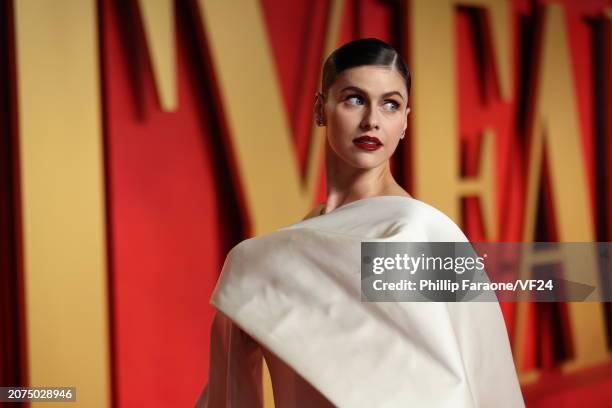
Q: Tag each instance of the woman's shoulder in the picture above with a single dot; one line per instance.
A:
(316, 211)
(260, 246)
(385, 214)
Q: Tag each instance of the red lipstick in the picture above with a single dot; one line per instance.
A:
(369, 143)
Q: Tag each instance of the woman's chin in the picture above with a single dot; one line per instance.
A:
(357, 158)
(364, 161)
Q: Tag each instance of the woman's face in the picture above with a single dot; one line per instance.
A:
(366, 112)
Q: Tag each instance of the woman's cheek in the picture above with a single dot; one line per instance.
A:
(341, 130)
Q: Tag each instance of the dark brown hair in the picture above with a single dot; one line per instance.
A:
(366, 51)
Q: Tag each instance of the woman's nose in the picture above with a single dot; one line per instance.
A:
(370, 120)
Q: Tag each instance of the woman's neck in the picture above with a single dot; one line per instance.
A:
(346, 184)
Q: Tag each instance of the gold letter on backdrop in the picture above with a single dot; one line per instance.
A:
(556, 128)
(60, 131)
(158, 26)
(256, 117)
(436, 139)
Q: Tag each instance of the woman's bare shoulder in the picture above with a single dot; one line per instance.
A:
(315, 211)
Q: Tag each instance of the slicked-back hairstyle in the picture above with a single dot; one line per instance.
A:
(365, 51)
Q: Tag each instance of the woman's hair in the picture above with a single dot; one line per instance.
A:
(366, 51)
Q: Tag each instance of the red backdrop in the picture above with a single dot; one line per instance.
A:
(174, 204)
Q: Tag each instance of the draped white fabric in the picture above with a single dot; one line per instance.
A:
(296, 292)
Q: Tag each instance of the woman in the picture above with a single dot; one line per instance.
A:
(293, 296)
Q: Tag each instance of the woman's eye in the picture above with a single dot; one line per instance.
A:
(391, 106)
(355, 100)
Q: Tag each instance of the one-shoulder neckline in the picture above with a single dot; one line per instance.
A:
(362, 200)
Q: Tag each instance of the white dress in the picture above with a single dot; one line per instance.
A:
(294, 296)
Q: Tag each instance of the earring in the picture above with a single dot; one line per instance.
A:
(402, 135)
(319, 122)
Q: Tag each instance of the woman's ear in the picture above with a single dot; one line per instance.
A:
(406, 121)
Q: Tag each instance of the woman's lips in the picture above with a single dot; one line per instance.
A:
(369, 143)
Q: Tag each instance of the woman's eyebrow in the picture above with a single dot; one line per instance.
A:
(357, 89)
